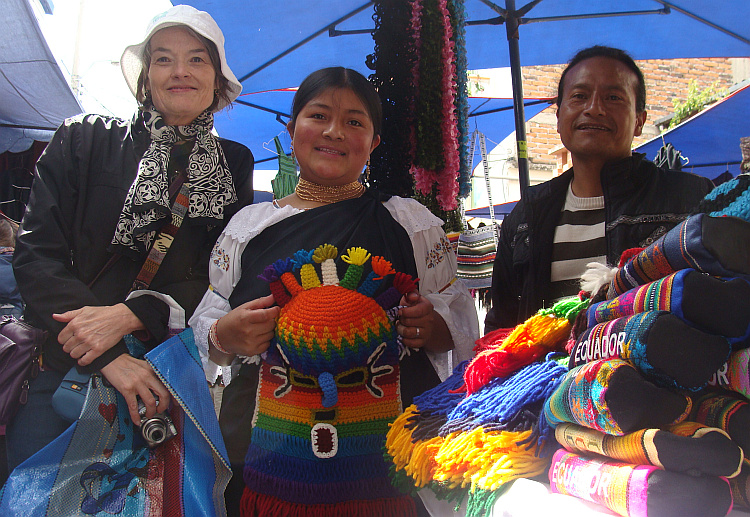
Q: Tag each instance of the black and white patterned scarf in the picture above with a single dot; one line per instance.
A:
(147, 203)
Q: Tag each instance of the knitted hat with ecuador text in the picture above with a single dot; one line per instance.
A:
(719, 246)
(611, 396)
(665, 349)
(639, 490)
(714, 305)
(735, 374)
(328, 390)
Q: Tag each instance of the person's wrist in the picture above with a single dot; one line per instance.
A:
(213, 338)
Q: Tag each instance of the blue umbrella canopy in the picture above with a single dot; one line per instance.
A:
(710, 140)
(35, 96)
(273, 45)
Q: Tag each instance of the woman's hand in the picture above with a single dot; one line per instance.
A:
(91, 331)
(249, 328)
(133, 377)
(420, 326)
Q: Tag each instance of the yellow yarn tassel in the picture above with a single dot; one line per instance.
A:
(416, 459)
(356, 256)
(325, 255)
(486, 460)
(325, 252)
(398, 439)
(541, 330)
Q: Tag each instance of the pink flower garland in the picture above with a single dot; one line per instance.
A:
(447, 179)
(423, 178)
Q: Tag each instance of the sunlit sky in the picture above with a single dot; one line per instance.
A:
(106, 28)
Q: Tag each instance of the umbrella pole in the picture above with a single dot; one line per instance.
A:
(511, 26)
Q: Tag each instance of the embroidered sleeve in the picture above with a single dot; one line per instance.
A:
(436, 267)
(224, 271)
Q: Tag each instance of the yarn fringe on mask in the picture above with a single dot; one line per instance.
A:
(253, 503)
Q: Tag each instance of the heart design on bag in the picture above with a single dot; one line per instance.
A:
(109, 412)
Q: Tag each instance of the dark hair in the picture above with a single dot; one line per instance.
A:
(339, 77)
(611, 53)
(213, 54)
(7, 233)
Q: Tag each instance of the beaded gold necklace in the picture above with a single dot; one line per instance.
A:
(309, 191)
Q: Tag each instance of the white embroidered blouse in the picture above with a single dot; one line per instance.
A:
(436, 269)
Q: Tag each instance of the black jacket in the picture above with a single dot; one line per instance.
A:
(641, 202)
(79, 190)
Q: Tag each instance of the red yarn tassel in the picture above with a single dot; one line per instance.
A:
(628, 254)
(492, 339)
(404, 283)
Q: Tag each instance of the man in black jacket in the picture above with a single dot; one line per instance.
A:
(610, 200)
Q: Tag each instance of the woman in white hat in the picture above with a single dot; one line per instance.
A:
(106, 190)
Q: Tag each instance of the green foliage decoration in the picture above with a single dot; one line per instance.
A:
(696, 100)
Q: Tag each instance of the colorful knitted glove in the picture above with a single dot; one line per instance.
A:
(726, 411)
(741, 488)
(666, 350)
(719, 246)
(735, 375)
(712, 304)
(730, 198)
(686, 447)
(639, 490)
(611, 396)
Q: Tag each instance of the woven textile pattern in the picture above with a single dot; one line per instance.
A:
(618, 486)
(621, 338)
(581, 397)
(655, 296)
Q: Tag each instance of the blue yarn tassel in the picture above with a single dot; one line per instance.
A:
(502, 400)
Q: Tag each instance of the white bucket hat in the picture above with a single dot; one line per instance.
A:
(202, 23)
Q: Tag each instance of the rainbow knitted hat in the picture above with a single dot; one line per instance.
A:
(328, 390)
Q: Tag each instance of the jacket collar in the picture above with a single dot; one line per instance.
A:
(618, 178)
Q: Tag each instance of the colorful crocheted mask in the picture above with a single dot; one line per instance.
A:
(328, 390)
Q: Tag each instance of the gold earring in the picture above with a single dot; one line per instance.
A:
(291, 146)
(367, 171)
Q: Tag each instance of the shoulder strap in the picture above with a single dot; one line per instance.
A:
(164, 239)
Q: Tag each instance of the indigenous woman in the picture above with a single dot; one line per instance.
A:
(106, 189)
(328, 359)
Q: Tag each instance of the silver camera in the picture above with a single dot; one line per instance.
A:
(157, 429)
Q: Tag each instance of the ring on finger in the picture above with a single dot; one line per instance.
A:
(417, 331)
